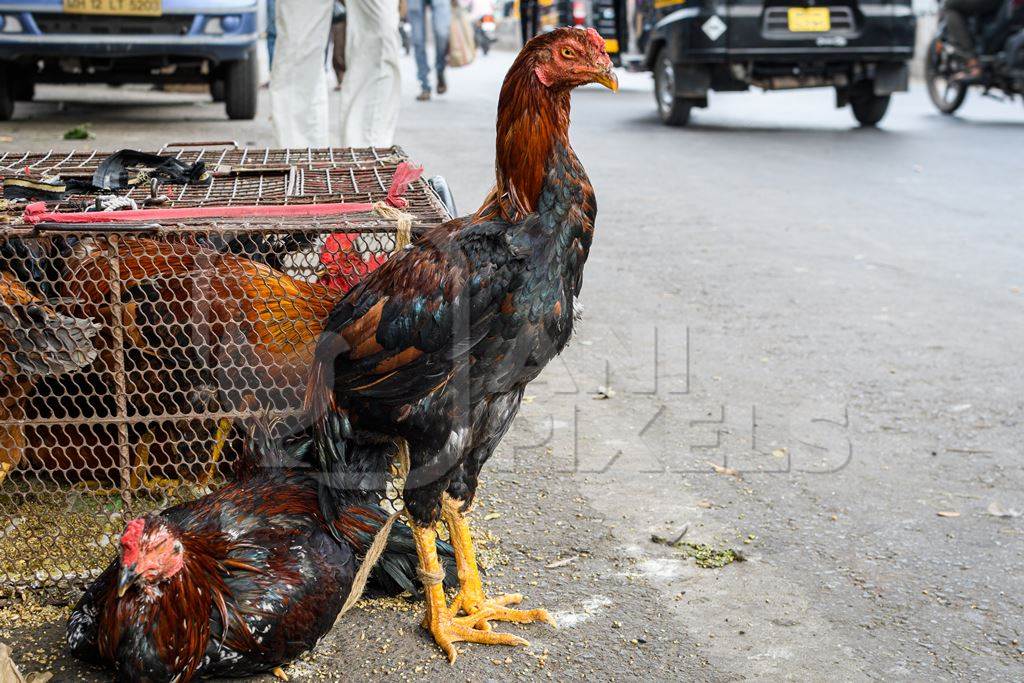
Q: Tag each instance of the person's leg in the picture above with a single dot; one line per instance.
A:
(271, 31)
(418, 24)
(371, 94)
(338, 55)
(298, 81)
(957, 12)
(441, 15)
(524, 20)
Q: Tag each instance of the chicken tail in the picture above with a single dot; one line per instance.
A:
(38, 340)
(395, 571)
(346, 470)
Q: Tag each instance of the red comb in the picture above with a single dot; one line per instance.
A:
(338, 248)
(130, 540)
(595, 38)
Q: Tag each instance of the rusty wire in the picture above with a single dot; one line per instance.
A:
(132, 355)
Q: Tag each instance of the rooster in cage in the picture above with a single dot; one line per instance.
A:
(437, 346)
(212, 330)
(36, 342)
(239, 582)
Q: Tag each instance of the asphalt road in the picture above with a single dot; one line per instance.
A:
(808, 339)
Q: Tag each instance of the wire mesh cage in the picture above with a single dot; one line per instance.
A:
(132, 354)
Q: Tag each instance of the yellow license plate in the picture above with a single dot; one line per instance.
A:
(808, 19)
(141, 8)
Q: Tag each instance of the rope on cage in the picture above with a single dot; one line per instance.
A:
(113, 202)
(403, 220)
(380, 542)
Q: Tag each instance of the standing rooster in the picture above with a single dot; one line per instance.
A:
(235, 583)
(437, 346)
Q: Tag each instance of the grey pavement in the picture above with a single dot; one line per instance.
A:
(801, 342)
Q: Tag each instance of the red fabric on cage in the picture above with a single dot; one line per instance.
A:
(404, 175)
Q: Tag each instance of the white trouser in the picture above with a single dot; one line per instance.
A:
(298, 80)
(371, 92)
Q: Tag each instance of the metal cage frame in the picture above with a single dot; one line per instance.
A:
(99, 401)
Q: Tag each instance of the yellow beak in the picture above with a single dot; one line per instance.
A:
(608, 79)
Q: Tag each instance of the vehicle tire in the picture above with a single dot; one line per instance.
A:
(869, 109)
(945, 95)
(7, 90)
(24, 90)
(217, 90)
(241, 88)
(673, 110)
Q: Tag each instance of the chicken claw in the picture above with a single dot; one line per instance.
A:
(441, 621)
(470, 599)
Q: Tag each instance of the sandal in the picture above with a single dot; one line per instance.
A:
(971, 71)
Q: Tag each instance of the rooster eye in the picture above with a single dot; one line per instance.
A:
(568, 53)
(177, 547)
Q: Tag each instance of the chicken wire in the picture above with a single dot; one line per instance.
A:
(133, 355)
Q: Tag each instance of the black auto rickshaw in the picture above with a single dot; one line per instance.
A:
(861, 48)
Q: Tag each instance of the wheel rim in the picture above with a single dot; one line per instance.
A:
(944, 91)
(667, 85)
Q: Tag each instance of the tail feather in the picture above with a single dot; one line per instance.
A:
(38, 339)
(395, 572)
(347, 472)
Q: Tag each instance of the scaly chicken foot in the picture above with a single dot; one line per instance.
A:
(471, 599)
(442, 623)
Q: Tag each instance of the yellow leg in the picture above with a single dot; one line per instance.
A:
(446, 628)
(471, 599)
(140, 477)
(221, 438)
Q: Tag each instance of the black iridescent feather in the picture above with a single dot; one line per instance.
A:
(260, 560)
(438, 345)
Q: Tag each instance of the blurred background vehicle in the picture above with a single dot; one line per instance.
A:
(484, 25)
(130, 41)
(859, 48)
(999, 39)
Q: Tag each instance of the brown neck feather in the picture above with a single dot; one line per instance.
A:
(184, 599)
(531, 119)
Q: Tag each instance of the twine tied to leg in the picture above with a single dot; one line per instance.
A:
(380, 542)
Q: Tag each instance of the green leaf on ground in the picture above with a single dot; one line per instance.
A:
(79, 132)
(703, 554)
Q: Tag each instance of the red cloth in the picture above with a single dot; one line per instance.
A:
(404, 175)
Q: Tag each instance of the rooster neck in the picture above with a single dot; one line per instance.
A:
(532, 132)
(172, 621)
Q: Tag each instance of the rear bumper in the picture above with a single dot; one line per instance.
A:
(844, 54)
(874, 33)
(187, 32)
(215, 48)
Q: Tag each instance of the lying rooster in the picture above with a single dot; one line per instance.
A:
(235, 583)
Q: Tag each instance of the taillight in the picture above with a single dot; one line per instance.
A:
(579, 12)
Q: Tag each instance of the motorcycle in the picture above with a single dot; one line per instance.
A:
(1000, 44)
(485, 32)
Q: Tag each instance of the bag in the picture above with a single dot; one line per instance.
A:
(461, 42)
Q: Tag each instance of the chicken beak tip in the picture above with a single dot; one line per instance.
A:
(609, 80)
